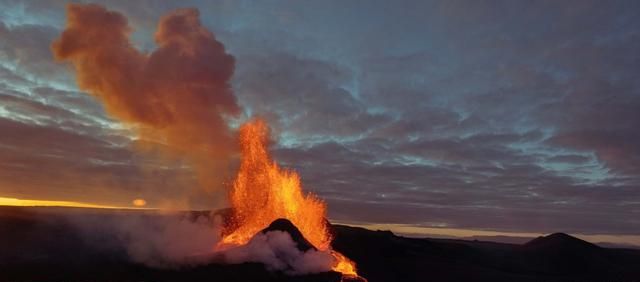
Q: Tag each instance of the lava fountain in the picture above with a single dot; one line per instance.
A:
(263, 192)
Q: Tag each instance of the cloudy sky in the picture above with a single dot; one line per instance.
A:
(513, 116)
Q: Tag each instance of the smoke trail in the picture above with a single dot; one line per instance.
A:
(178, 95)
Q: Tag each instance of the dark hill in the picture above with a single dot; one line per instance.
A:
(560, 240)
(562, 254)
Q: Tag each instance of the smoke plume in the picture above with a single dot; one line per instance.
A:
(178, 95)
(170, 240)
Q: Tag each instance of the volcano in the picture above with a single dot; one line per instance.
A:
(282, 247)
(284, 225)
(284, 228)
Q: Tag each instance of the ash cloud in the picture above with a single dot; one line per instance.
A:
(178, 95)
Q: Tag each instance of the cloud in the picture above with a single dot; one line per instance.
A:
(302, 97)
(26, 47)
(482, 185)
(178, 95)
(512, 116)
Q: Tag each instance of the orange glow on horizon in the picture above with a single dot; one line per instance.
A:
(15, 202)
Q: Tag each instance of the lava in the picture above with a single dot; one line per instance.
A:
(263, 192)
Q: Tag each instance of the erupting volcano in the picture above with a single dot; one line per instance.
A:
(264, 192)
(179, 95)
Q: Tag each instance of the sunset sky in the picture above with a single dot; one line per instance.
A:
(507, 116)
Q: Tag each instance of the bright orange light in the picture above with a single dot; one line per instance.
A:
(46, 203)
(343, 264)
(263, 192)
(139, 202)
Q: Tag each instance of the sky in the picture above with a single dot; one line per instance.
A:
(508, 116)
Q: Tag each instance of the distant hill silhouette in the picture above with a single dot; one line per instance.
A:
(38, 245)
(559, 240)
(382, 256)
(562, 254)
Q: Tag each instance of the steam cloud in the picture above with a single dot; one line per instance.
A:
(278, 251)
(178, 240)
(178, 95)
(166, 241)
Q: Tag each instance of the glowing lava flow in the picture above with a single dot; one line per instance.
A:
(263, 192)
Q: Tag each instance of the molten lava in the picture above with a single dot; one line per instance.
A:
(263, 192)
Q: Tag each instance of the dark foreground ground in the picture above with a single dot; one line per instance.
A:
(42, 244)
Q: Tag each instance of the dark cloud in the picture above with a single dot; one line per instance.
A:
(303, 97)
(361, 188)
(492, 115)
(25, 46)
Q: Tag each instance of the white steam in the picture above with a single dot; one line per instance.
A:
(177, 240)
(169, 240)
(278, 252)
